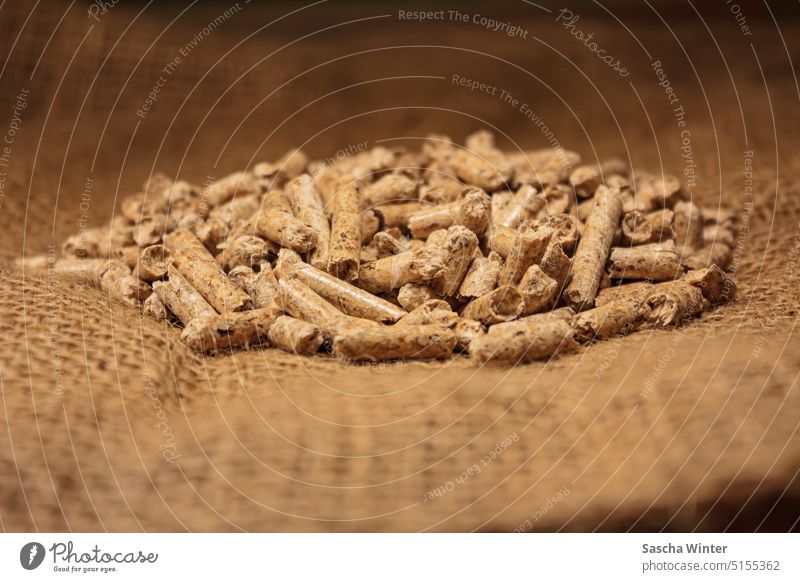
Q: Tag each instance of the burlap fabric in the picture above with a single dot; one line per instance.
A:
(695, 428)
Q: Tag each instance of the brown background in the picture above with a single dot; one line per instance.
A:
(660, 430)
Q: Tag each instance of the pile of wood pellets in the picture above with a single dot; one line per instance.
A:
(391, 253)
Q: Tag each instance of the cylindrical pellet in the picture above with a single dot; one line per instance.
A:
(673, 303)
(502, 304)
(346, 297)
(392, 343)
(481, 277)
(153, 263)
(412, 295)
(181, 298)
(688, 225)
(299, 301)
(651, 261)
(641, 228)
(276, 222)
(457, 250)
(521, 344)
(395, 271)
(295, 336)
(206, 275)
(614, 318)
(716, 285)
(592, 253)
(345, 245)
(389, 188)
(473, 212)
(434, 311)
(306, 204)
(526, 204)
(211, 333)
(246, 250)
(529, 247)
(538, 290)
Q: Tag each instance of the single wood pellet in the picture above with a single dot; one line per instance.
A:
(398, 254)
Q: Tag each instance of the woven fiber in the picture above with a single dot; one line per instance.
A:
(110, 423)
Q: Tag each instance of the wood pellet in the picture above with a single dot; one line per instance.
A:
(449, 252)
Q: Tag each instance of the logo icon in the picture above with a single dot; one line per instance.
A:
(31, 555)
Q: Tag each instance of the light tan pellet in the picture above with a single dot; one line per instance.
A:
(295, 336)
(502, 304)
(221, 191)
(387, 244)
(488, 169)
(457, 251)
(500, 205)
(657, 191)
(240, 207)
(538, 290)
(621, 316)
(564, 314)
(262, 286)
(299, 301)
(590, 259)
(389, 188)
(718, 253)
(520, 344)
(397, 215)
(526, 204)
(290, 165)
(211, 333)
(638, 292)
(214, 231)
(181, 239)
(529, 247)
(481, 278)
(412, 295)
(395, 271)
(276, 222)
(345, 243)
(392, 343)
(246, 250)
(556, 264)
(433, 311)
(118, 283)
(673, 303)
(473, 212)
(558, 199)
(346, 297)
(306, 204)
(652, 261)
(91, 270)
(688, 225)
(154, 308)
(205, 274)
(150, 230)
(153, 263)
(716, 285)
(640, 228)
(466, 331)
(502, 239)
(137, 206)
(181, 298)
(370, 224)
(585, 180)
